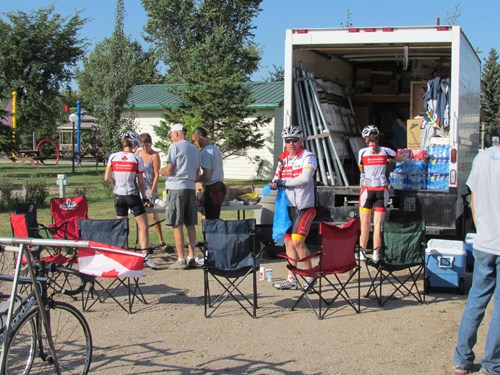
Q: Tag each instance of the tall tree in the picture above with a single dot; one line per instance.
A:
(107, 77)
(490, 92)
(277, 75)
(453, 16)
(208, 48)
(38, 53)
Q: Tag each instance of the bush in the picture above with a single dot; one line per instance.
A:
(8, 199)
(37, 190)
(80, 191)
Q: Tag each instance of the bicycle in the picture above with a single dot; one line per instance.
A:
(26, 346)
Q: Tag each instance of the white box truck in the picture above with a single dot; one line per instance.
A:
(378, 75)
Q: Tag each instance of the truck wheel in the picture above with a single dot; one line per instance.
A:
(461, 286)
(427, 285)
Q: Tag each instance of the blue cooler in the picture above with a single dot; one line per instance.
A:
(445, 262)
(469, 243)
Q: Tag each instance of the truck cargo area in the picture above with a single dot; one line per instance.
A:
(339, 80)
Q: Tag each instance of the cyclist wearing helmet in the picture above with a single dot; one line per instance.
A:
(374, 193)
(125, 171)
(296, 173)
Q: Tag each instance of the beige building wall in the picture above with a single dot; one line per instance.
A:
(261, 162)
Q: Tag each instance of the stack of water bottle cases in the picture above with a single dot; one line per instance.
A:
(424, 170)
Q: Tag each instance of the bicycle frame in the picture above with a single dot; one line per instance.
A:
(35, 297)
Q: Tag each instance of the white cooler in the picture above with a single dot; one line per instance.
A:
(469, 243)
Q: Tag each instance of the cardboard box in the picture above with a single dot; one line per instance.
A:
(413, 131)
(417, 91)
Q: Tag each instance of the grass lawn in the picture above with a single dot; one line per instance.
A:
(86, 177)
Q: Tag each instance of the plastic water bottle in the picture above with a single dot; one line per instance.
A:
(159, 203)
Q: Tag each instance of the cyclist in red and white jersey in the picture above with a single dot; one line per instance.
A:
(374, 193)
(296, 173)
(125, 171)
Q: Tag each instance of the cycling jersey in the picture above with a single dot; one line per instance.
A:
(125, 166)
(374, 166)
(304, 195)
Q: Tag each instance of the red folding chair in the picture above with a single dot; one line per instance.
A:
(56, 281)
(65, 214)
(336, 258)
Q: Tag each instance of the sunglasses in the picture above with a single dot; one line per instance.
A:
(291, 140)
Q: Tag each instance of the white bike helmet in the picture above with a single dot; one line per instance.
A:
(370, 129)
(132, 136)
(292, 132)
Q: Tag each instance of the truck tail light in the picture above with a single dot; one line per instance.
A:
(370, 30)
(443, 28)
(453, 177)
(388, 29)
(453, 155)
(300, 31)
(353, 29)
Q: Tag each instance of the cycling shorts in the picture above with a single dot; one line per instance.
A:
(376, 199)
(124, 203)
(301, 223)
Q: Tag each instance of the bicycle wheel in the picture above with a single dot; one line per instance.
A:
(72, 341)
(22, 346)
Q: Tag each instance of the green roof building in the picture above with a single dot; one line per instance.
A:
(149, 100)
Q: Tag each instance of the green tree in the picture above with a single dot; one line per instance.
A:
(208, 48)
(490, 93)
(348, 20)
(38, 53)
(453, 16)
(277, 75)
(107, 78)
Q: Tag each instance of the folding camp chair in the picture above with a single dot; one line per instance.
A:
(56, 281)
(35, 229)
(112, 237)
(229, 257)
(336, 257)
(65, 214)
(402, 261)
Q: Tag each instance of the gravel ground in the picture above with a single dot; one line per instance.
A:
(171, 335)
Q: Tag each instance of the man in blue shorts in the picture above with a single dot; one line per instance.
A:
(182, 171)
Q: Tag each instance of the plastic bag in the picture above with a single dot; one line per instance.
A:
(266, 190)
(281, 221)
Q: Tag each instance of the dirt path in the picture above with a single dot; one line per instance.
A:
(171, 334)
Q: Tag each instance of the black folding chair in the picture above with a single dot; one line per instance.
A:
(112, 232)
(229, 257)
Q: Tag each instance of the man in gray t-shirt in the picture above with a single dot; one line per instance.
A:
(484, 183)
(212, 175)
(182, 170)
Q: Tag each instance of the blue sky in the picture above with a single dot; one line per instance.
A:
(479, 19)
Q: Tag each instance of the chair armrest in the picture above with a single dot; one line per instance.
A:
(310, 256)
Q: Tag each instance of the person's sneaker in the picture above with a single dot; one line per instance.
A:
(149, 262)
(179, 265)
(376, 256)
(191, 263)
(200, 260)
(308, 284)
(284, 285)
(461, 370)
(360, 255)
